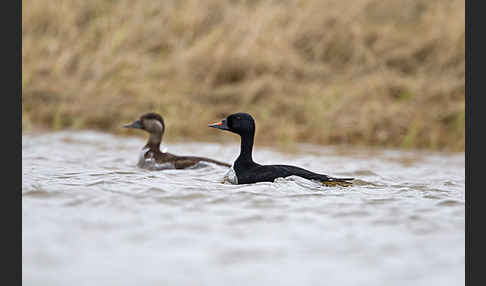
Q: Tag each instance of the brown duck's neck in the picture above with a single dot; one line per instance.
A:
(154, 142)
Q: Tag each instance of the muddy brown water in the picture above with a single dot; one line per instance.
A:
(91, 217)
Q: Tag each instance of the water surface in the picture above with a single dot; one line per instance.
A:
(91, 217)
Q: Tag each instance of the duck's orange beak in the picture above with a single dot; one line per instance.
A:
(220, 125)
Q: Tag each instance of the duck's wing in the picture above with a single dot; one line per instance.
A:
(268, 173)
(182, 162)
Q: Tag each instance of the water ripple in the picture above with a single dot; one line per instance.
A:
(86, 206)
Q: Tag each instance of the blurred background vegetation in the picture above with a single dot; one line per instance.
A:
(367, 72)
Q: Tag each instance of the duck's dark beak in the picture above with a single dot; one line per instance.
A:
(220, 125)
(135, 124)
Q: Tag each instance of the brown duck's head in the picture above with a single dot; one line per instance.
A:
(150, 122)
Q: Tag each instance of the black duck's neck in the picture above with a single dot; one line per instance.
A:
(246, 149)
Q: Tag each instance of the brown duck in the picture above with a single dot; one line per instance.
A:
(152, 157)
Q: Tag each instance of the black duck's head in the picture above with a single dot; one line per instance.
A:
(150, 122)
(239, 123)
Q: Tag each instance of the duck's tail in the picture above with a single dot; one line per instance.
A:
(344, 182)
(215, 162)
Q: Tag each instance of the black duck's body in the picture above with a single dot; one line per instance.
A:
(246, 171)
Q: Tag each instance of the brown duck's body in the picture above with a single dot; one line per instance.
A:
(153, 158)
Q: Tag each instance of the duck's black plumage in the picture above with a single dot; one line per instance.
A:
(247, 171)
(154, 125)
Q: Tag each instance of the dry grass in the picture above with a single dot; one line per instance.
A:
(372, 72)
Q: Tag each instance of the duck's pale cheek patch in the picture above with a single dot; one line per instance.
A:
(160, 128)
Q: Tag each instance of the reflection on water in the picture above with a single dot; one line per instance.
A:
(91, 217)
